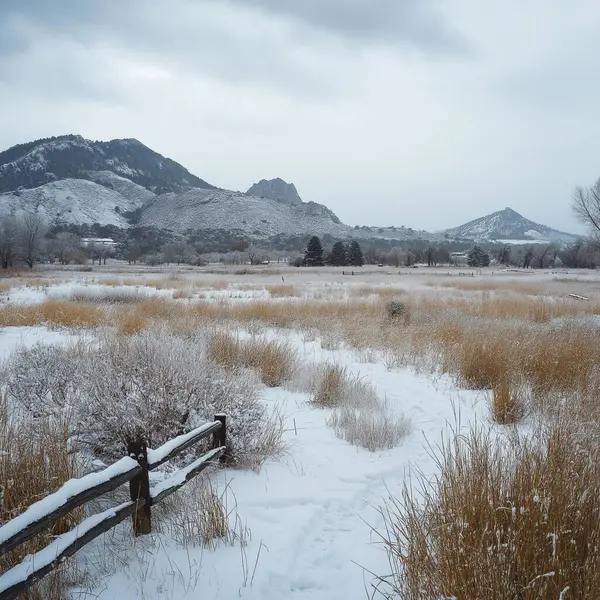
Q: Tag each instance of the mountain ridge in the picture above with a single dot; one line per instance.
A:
(122, 182)
(72, 156)
(507, 224)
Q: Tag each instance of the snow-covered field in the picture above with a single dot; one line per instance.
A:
(312, 514)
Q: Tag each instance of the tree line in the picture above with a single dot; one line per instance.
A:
(25, 239)
(341, 254)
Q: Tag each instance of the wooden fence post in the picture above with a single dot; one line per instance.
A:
(220, 436)
(139, 488)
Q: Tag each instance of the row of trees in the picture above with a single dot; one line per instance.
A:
(340, 255)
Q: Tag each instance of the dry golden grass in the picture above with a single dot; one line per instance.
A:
(281, 291)
(379, 290)
(216, 284)
(131, 323)
(57, 313)
(182, 294)
(7, 284)
(35, 465)
(224, 349)
(508, 402)
(487, 285)
(504, 519)
(200, 516)
(274, 361)
(482, 360)
(330, 387)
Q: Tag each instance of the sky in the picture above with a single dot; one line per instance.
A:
(423, 113)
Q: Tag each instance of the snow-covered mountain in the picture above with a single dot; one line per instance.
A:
(507, 224)
(72, 180)
(219, 209)
(71, 156)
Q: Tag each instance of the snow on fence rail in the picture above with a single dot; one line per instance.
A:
(76, 492)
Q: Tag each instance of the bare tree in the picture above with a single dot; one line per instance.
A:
(528, 257)
(254, 255)
(8, 241)
(395, 256)
(65, 246)
(586, 206)
(32, 228)
(544, 252)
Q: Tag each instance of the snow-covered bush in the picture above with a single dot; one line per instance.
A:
(373, 429)
(153, 385)
(42, 380)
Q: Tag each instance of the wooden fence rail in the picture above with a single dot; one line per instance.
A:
(73, 494)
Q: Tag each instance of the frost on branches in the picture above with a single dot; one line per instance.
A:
(153, 385)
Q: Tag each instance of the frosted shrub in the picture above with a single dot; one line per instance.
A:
(42, 380)
(371, 429)
(153, 385)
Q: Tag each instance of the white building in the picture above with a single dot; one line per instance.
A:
(106, 242)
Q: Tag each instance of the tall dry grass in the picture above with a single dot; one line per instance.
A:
(275, 361)
(508, 400)
(281, 291)
(57, 313)
(331, 386)
(35, 462)
(504, 519)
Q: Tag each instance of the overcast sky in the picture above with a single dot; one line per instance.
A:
(423, 113)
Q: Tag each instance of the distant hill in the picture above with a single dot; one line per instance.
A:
(508, 224)
(73, 157)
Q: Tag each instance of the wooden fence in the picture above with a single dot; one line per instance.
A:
(134, 469)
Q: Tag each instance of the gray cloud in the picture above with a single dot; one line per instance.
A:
(144, 23)
(205, 38)
(418, 23)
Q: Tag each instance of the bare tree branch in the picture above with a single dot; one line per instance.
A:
(586, 207)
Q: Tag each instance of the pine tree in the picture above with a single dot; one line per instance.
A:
(337, 257)
(477, 257)
(313, 256)
(355, 255)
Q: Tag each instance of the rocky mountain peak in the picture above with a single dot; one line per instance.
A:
(276, 189)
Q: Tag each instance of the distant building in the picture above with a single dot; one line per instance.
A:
(106, 242)
(459, 258)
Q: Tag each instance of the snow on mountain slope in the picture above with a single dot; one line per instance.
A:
(222, 209)
(77, 181)
(72, 201)
(71, 156)
(135, 193)
(507, 224)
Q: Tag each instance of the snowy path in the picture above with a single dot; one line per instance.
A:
(311, 513)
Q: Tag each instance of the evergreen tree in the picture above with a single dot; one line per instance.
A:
(313, 256)
(337, 257)
(355, 255)
(477, 257)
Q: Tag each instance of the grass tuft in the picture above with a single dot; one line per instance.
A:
(275, 361)
(505, 519)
